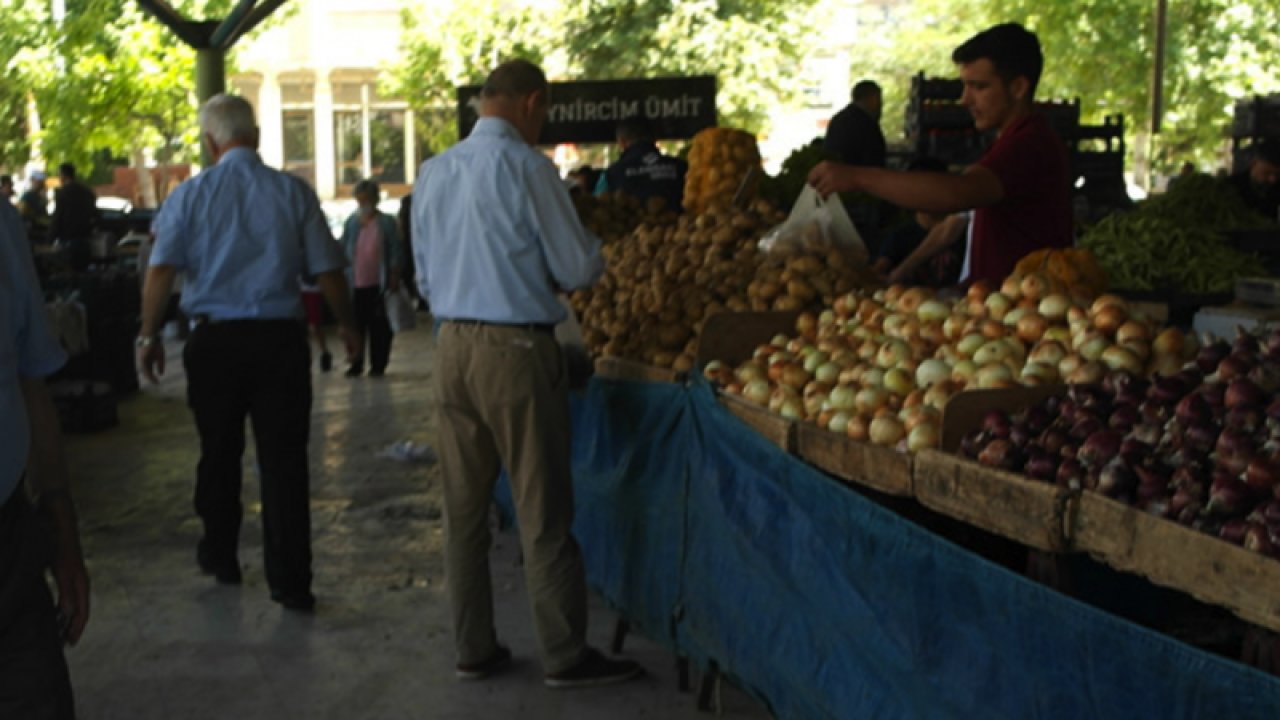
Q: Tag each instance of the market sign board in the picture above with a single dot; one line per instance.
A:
(589, 112)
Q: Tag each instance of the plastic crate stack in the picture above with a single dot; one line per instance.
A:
(1256, 119)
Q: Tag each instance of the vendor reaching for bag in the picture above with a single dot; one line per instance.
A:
(1020, 187)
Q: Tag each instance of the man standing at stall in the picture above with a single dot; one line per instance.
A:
(1019, 188)
(1259, 186)
(643, 172)
(496, 238)
(33, 672)
(243, 234)
(854, 136)
(75, 216)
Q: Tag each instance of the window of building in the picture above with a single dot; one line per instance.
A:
(298, 123)
(369, 135)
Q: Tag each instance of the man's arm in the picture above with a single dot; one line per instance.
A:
(927, 191)
(939, 238)
(333, 285)
(47, 478)
(155, 299)
(572, 253)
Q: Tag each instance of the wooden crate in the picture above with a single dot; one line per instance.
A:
(965, 410)
(623, 369)
(1032, 513)
(776, 429)
(731, 338)
(1166, 553)
(876, 467)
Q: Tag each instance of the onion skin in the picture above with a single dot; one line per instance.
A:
(999, 453)
(1242, 391)
(1116, 479)
(1100, 448)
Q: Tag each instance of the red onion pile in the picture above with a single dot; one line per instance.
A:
(1200, 447)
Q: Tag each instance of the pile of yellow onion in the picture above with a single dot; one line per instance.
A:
(881, 366)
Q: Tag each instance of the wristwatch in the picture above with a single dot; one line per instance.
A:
(146, 341)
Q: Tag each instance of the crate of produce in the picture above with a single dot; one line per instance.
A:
(775, 428)
(1168, 554)
(615, 368)
(732, 337)
(879, 468)
(1007, 504)
(1026, 511)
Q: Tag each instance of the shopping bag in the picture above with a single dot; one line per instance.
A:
(400, 313)
(815, 223)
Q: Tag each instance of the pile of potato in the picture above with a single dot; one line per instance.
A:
(663, 281)
(614, 215)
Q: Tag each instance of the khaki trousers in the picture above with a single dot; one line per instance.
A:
(503, 397)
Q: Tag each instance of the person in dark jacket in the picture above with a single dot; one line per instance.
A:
(854, 136)
(643, 171)
(75, 215)
(1259, 186)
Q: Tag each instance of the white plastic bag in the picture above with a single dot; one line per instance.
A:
(400, 313)
(815, 223)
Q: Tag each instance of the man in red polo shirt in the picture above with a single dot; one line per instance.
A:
(1019, 189)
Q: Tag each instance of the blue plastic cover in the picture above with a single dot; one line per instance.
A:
(825, 605)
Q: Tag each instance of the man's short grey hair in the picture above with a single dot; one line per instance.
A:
(228, 118)
(514, 79)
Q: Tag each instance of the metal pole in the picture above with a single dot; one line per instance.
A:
(211, 79)
(1157, 80)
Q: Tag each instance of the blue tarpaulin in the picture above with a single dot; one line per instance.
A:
(825, 605)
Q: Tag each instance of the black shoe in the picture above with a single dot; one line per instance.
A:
(499, 661)
(354, 371)
(326, 362)
(377, 373)
(592, 671)
(225, 572)
(302, 601)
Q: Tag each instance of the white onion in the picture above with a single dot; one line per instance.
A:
(893, 352)
(839, 422)
(792, 409)
(964, 371)
(898, 381)
(1012, 317)
(1058, 334)
(842, 397)
(937, 395)
(933, 310)
(756, 390)
(998, 304)
(992, 352)
(815, 360)
(1093, 346)
(1120, 358)
(1048, 352)
(1055, 306)
(996, 374)
(969, 344)
(886, 431)
(923, 436)
(827, 372)
(1045, 372)
(932, 371)
(873, 377)
(868, 400)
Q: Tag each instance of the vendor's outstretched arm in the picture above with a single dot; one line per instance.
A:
(940, 237)
(927, 191)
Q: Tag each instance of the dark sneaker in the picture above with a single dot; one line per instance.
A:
(326, 362)
(594, 670)
(302, 601)
(354, 372)
(499, 661)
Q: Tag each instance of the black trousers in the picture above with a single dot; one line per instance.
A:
(371, 320)
(34, 682)
(262, 369)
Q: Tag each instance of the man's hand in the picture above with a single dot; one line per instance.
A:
(151, 360)
(828, 177)
(900, 274)
(353, 341)
(73, 587)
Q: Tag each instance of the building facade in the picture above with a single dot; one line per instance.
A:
(313, 81)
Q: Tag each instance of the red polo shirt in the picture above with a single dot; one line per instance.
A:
(1031, 162)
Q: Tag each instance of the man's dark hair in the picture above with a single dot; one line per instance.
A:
(6, 180)
(67, 170)
(367, 187)
(514, 79)
(865, 90)
(1267, 150)
(635, 129)
(1011, 48)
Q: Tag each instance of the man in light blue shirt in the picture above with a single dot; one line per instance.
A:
(242, 234)
(496, 238)
(33, 673)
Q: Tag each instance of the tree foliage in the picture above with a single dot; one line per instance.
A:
(753, 47)
(1102, 52)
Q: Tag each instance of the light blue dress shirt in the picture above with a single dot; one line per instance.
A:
(495, 234)
(27, 348)
(243, 233)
